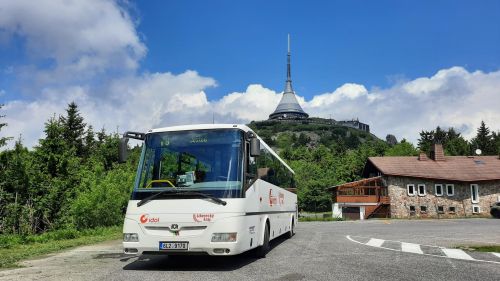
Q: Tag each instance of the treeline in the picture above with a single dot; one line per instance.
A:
(455, 144)
(338, 155)
(70, 179)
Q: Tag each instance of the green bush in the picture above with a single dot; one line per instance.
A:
(102, 198)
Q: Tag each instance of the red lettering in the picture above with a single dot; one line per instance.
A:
(145, 218)
(272, 198)
(203, 217)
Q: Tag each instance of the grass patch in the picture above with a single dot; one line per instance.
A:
(481, 248)
(14, 248)
(318, 217)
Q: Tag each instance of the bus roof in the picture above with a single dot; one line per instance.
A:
(200, 127)
(244, 128)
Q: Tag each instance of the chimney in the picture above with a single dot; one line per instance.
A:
(437, 152)
(422, 156)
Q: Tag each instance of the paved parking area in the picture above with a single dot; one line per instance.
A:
(377, 250)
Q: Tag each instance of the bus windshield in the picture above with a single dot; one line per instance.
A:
(207, 161)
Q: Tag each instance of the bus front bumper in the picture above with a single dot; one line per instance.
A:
(199, 243)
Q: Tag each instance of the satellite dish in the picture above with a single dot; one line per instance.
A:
(478, 151)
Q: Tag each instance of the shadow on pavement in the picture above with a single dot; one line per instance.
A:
(194, 263)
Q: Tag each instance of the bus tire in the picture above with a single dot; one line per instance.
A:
(291, 233)
(261, 251)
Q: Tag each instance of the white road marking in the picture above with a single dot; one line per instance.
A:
(456, 254)
(411, 248)
(375, 242)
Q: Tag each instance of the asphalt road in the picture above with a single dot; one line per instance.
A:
(318, 251)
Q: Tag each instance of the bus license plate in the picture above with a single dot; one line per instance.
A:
(174, 245)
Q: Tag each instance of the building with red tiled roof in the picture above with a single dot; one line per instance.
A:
(435, 186)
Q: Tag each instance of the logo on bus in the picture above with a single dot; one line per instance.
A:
(145, 218)
(273, 200)
(203, 217)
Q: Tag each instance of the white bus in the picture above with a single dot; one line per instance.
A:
(207, 189)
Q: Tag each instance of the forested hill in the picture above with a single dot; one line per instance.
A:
(322, 155)
(281, 135)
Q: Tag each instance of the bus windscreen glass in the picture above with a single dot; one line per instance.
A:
(207, 161)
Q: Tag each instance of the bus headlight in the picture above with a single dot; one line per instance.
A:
(224, 237)
(130, 237)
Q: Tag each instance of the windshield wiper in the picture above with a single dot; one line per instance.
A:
(182, 192)
(194, 193)
(151, 197)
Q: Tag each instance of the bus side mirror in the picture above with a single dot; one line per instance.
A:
(123, 150)
(123, 146)
(254, 147)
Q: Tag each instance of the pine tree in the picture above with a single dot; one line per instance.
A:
(52, 147)
(101, 136)
(452, 134)
(90, 142)
(426, 140)
(440, 136)
(15, 182)
(484, 140)
(74, 129)
(455, 144)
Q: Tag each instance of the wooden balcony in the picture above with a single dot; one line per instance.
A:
(371, 190)
(361, 194)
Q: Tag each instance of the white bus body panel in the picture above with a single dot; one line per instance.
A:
(198, 219)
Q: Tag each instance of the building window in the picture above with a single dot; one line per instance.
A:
(410, 189)
(412, 210)
(451, 209)
(438, 189)
(421, 190)
(474, 193)
(450, 189)
(441, 209)
(423, 209)
(476, 209)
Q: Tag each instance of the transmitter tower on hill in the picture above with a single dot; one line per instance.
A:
(289, 107)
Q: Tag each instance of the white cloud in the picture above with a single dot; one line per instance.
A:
(452, 97)
(256, 103)
(70, 41)
(423, 86)
(94, 50)
(164, 99)
(347, 91)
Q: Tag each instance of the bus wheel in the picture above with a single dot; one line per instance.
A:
(291, 233)
(261, 251)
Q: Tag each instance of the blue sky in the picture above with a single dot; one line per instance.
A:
(400, 66)
(333, 42)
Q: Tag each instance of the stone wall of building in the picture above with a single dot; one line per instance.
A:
(401, 202)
